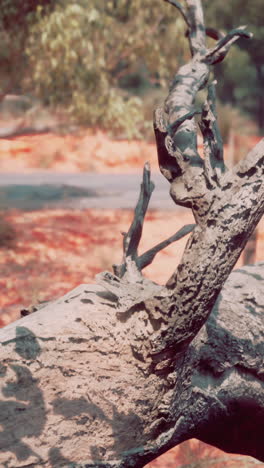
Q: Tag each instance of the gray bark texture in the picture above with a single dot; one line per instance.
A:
(117, 373)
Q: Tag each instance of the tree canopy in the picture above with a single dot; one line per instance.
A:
(89, 57)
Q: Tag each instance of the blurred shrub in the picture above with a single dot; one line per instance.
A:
(241, 75)
(103, 61)
(16, 16)
(80, 54)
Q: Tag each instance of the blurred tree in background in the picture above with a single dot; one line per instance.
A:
(244, 70)
(105, 62)
(95, 58)
(16, 17)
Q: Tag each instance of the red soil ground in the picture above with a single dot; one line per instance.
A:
(85, 151)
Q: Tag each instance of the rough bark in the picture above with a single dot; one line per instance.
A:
(76, 392)
(115, 374)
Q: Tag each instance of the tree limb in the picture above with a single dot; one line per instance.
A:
(217, 199)
(133, 236)
(76, 390)
(182, 10)
(133, 264)
(218, 53)
(115, 374)
(148, 257)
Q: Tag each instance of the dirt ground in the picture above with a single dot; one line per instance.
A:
(82, 151)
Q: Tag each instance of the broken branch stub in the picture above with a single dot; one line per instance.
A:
(133, 236)
(132, 265)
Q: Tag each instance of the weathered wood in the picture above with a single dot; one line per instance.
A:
(76, 390)
(133, 264)
(114, 374)
(226, 205)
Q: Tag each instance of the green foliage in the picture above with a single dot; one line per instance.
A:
(231, 14)
(79, 54)
(15, 18)
(242, 73)
(101, 61)
(16, 13)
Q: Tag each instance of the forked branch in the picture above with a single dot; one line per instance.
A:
(218, 53)
(226, 205)
(133, 264)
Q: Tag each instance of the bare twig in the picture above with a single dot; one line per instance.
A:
(148, 257)
(179, 6)
(132, 263)
(218, 53)
(133, 236)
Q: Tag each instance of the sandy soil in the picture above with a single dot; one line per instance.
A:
(83, 151)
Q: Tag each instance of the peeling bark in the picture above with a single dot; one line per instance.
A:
(115, 374)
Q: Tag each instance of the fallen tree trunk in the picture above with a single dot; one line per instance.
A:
(76, 392)
(115, 374)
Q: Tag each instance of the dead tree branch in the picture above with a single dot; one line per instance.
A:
(217, 199)
(114, 374)
(132, 263)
